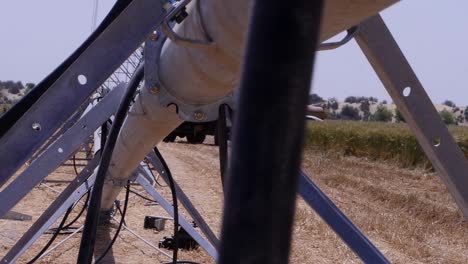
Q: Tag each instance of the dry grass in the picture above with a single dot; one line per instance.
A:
(376, 140)
(408, 214)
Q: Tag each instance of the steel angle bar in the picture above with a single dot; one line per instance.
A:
(182, 221)
(396, 74)
(62, 241)
(67, 198)
(143, 239)
(185, 201)
(59, 151)
(351, 33)
(85, 75)
(15, 216)
(15, 113)
(69, 123)
(338, 221)
(145, 172)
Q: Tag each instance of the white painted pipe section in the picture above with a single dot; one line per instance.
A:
(202, 76)
(195, 75)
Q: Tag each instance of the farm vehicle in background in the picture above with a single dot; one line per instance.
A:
(197, 132)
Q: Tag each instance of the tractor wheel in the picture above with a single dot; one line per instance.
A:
(196, 138)
(170, 138)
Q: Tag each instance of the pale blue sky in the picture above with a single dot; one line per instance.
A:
(37, 35)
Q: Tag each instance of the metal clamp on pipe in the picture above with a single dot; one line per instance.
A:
(167, 26)
(334, 45)
(186, 111)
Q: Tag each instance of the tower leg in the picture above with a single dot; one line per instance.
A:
(407, 92)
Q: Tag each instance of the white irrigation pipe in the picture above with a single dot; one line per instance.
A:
(203, 75)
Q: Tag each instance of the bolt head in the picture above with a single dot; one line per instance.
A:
(36, 126)
(154, 36)
(199, 116)
(154, 90)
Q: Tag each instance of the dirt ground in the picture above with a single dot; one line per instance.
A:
(408, 214)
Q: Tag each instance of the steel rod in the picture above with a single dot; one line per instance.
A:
(338, 221)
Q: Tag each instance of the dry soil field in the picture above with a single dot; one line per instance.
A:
(408, 214)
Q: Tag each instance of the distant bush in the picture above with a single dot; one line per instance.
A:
(9, 85)
(449, 103)
(315, 99)
(351, 100)
(447, 117)
(332, 104)
(365, 108)
(29, 86)
(382, 114)
(466, 114)
(349, 113)
(14, 90)
(399, 117)
(360, 99)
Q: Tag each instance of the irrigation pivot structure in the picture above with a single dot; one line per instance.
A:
(195, 54)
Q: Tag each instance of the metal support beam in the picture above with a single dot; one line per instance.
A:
(84, 76)
(59, 151)
(185, 201)
(67, 198)
(73, 193)
(388, 61)
(15, 216)
(338, 221)
(209, 248)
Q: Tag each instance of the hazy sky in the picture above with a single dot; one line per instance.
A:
(37, 35)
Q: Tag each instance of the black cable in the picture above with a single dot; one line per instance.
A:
(80, 213)
(170, 179)
(74, 165)
(222, 135)
(88, 239)
(69, 225)
(142, 196)
(182, 262)
(152, 174)
(120, 212)
(54, 236)
(122, 221)
(103, 134)
(90, 150)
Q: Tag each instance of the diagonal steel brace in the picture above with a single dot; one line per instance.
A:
(85, 75)
(396, 74)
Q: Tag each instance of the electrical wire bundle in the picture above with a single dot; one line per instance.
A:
(62, 226)
(121, 223)
(170, 179)
(88, 239)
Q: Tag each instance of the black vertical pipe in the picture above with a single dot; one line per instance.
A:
(222, 136)
(269, 131)
(88, 239)
(103, 135)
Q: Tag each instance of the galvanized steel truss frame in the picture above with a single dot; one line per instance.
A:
(90, 71)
